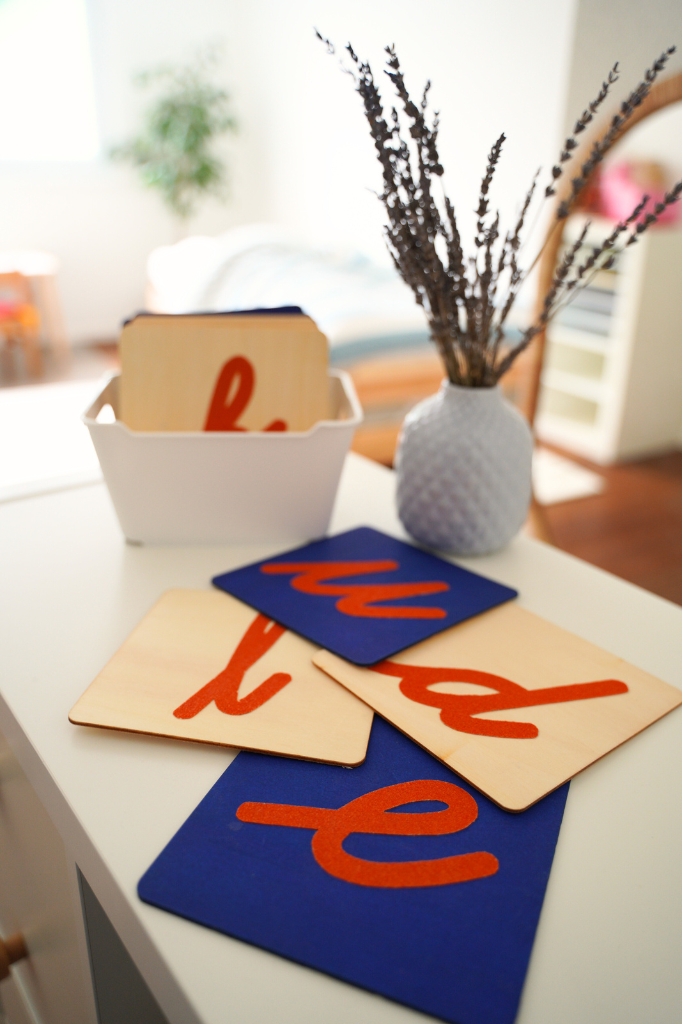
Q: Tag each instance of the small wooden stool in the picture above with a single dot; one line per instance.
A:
(37, 272)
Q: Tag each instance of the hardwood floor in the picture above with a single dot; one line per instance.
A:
(632, 529)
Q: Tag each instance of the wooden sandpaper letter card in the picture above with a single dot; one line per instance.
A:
(512, 703)
(257, 370)
(202, 666)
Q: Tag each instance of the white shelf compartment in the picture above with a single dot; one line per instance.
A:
(561, 335)
(593, 390)
(617, 395)
(583, 363)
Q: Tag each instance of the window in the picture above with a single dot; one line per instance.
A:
(47, 101)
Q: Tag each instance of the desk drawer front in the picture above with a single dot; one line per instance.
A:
(37, 899)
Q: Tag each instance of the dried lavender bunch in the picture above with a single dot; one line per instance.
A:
(467, 300)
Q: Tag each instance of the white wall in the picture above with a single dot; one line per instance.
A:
(657, 138)
(633, 32)
(303, 157)
(485, 60)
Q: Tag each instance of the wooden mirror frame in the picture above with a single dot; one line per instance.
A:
(661, 95)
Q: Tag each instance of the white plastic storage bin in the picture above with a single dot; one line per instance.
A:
(208, 488)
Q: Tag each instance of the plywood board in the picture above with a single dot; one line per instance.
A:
(223, 372)
(510, 702)
(203, 666)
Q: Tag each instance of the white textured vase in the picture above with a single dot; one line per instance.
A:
(464, 470)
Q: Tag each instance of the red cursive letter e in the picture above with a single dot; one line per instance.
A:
(368, 813)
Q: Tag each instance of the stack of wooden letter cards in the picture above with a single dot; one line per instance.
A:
(509, 702)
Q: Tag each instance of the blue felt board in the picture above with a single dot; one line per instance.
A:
(365, 639)
(459, 952)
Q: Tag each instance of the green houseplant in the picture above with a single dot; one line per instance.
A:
(174, 151)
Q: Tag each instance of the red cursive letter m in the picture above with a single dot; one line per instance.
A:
(360, 599)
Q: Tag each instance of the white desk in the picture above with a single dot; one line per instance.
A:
(607, 947)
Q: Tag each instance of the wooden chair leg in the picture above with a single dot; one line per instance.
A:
(54, 327)
(31, 345)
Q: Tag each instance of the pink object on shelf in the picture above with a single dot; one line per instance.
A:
(622, 187)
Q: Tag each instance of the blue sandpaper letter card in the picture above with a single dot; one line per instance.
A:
(395, 876)
(362, 594)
